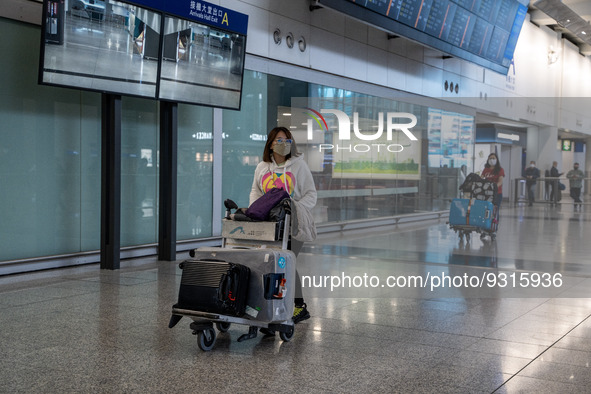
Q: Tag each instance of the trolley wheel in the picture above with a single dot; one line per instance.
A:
(286, 336)
(223, 326)
(493, 237)
(206, 339)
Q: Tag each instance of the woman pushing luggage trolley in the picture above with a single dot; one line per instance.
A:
(252, 279)
(478, 213)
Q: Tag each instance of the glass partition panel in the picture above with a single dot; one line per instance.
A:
(139, 171)
(195, 172)
(244, 137)
(49, 158)
(370, 156)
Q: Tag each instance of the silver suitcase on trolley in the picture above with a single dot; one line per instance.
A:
(263, 248)
(271, 288)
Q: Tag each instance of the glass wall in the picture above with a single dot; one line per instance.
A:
(49, 157)
(364, 178)
(244, 136)
(50, 162)
(140, 127)
(50, 154)
(195, 172)
(356, 178)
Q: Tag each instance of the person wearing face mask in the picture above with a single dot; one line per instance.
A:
(531, 175)
(283, 167)
(575, 178)
(493, 172)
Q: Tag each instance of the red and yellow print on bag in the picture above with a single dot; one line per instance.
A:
(278, 179)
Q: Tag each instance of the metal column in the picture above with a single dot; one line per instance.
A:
(168, 181)
(110, 181)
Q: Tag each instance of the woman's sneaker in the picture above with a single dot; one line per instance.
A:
(300, 312)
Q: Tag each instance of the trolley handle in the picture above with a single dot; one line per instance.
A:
(229, 204)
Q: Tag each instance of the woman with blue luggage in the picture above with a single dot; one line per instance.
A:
(283, 167)
(493, 172)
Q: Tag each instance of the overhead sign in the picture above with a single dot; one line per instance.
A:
(200, 11)
(484, 32)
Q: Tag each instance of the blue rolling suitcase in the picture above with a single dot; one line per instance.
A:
(472, 213)
(458, 212)
(482, 215)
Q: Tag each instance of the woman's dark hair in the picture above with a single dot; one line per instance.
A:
(267, 152)
(497, 167)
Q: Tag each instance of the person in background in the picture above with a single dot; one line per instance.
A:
(575, 178)
(493, 172)
(283, 167)
(554, 185)
(531, 175)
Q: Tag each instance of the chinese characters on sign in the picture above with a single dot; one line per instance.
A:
(208, 13)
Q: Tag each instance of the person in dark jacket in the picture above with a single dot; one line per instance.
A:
(531, 175)
(576, 178)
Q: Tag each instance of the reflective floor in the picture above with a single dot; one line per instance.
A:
(87, 330)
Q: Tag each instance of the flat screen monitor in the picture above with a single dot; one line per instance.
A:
(106, 46)
(182, 51)
(484, 32)
(201, 64)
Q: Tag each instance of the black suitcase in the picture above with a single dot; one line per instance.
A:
(213, 286)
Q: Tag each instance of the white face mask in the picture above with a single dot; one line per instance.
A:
(532, 165)
(492, 162)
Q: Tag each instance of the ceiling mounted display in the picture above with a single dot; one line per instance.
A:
(484, 32)
(186, 51)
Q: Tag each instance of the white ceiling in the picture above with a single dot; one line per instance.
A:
(582, 8)
(569, 17)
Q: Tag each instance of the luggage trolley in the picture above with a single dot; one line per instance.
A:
(474, 217)
(263, 247)
(478, 213)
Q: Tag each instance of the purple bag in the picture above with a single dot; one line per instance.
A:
(260, 208)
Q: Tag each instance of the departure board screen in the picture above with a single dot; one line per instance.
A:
(484, 32)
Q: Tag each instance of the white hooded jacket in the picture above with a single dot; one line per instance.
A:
(294, 176)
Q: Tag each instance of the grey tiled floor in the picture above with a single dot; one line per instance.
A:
(87, 330)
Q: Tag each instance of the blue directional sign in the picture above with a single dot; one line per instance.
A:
(202, 12)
